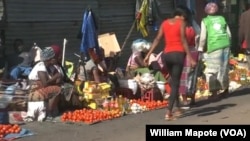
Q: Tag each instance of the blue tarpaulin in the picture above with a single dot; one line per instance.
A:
(23, 133)
(89, 34)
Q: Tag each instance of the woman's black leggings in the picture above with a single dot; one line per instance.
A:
(173, 61)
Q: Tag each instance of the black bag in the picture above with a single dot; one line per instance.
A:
(193, 75)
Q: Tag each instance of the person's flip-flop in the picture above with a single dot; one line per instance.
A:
(170, 117)
(178, 113)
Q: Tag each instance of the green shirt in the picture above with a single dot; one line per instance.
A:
(217, 36)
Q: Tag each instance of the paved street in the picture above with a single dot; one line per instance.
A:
(234, 109)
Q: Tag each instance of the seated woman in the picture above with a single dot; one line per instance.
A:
(95, 67)
(45, 85)
(136, 65)
(69, 99)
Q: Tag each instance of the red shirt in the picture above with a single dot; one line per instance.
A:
(172, 36)
(190, 35)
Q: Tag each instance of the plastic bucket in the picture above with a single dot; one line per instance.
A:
(161, 86)
(130, 83)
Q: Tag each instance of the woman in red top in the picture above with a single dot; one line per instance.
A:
(176, 48)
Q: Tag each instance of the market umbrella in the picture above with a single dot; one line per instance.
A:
(89, 37)
(89, 33)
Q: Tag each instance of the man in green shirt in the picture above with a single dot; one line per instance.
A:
(215, 40)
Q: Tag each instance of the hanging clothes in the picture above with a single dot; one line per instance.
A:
(142, 17)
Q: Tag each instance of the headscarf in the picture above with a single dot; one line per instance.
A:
(57, 50)
(211, 8)
(47, 53)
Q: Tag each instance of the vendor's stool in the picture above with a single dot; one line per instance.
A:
(147, 94)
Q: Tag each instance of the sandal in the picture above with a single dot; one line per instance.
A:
(170, 117)
(178, 113)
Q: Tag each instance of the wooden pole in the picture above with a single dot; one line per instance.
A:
(63, 55)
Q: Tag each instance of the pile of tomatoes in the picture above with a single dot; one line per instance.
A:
(151, 105)
(6, 129)
(90, 116)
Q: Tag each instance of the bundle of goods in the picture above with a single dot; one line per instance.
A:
(93, 90)
(202, 88)
(147, 81)
(241, 58)
(151, 89)
(93, 93)
(240, 75)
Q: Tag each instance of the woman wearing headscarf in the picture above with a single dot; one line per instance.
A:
(139, 48)
(175, 50)
(216, 36)
(68, 99)
(45, 84)
(57, 61)
(136, 64)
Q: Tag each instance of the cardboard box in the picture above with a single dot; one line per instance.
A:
(109, 43)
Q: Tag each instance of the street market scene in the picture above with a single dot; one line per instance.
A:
(101, 70)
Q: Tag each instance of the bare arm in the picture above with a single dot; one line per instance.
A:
(229, 32)
(203, 37)
(184, 39)
(185, 44)
(155, 43)
(43, 76)
(139, 61)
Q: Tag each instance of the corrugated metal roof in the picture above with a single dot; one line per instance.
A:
(118, 15)
(46, 22)
(47, 10)
(49, 21)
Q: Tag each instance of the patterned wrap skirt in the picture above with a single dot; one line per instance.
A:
(184, 82)
(39, 93)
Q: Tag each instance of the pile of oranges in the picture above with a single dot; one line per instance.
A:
(90, 116)
(150, 105)
(6, 129)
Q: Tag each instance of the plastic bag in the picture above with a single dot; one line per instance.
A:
(147, 81)
(139, 45)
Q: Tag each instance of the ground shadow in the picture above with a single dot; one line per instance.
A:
(201, 102)
(207, 110)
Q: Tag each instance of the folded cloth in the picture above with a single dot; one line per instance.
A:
(23, 133)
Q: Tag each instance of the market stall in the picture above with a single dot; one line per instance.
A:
(13, 104)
